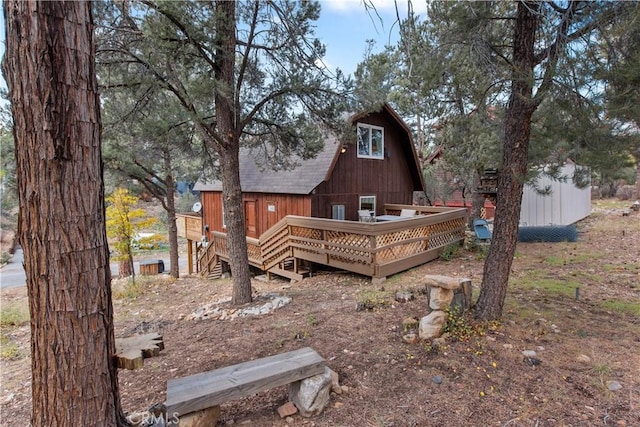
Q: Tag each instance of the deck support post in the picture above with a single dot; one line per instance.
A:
(376, 281)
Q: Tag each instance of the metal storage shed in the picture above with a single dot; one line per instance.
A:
(565, 205)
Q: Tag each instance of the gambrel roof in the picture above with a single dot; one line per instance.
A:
(309, 173)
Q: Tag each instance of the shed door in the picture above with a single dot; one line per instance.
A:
(250, 218)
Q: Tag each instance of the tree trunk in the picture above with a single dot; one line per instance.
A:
(514, 167)
(56, 114)
(229, 148)
(638, 174)
(125, 268)
(171, 220)
(236, 232)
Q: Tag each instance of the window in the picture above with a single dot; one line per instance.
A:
(337, 212)
(370, 141)
(368, 203)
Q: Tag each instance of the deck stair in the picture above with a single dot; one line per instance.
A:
(290, 269)
(215, 272)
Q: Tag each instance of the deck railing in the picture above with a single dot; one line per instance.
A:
(375, 249)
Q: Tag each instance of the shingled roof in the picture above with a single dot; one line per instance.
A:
(309, 173)
(300, 180)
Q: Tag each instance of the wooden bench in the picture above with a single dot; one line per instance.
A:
(209, 389)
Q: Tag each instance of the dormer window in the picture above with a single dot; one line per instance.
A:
(370, 141)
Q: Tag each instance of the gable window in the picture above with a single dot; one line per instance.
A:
(337, 212)
(370, 141)
(368, 203)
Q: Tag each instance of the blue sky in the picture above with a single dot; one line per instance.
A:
(345, 26)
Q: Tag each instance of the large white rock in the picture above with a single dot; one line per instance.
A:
(311, 395)
(442, 281)
(432, 325)
(440, 298)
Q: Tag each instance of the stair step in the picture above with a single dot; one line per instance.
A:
(216, 272)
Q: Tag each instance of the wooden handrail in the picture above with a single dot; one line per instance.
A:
(374, 249)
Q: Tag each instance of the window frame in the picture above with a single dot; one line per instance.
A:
(370, 128)
(367, 197)
(339, 209)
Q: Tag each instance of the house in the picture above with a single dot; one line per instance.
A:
(379, 167)
(314, 214)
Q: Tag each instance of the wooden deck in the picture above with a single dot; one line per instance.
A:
(375, 249)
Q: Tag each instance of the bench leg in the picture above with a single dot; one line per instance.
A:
(204, 418)
(311, 395)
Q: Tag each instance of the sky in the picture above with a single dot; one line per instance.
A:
(344, 28)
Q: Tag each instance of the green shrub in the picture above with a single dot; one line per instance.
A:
(13, 314)
(450, 251)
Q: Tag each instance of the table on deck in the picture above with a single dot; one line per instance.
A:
(382, 218)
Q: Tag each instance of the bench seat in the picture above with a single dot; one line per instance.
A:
(207, 389)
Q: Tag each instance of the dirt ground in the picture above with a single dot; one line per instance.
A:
(589, 348)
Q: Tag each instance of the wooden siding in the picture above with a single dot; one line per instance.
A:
(388, 179)
(189, 226)
(284, 204)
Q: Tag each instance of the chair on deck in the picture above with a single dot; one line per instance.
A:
(407, 213)
(366, 216)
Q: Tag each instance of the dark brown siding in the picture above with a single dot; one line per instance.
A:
(284, 204)
(211, 211)
(388, 179)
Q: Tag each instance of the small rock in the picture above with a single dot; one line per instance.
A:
(338, 404)
(345, 389)
(614, 385)
(287, 410)
(583, 358)
(404, 296)
(529, 353)
(437, 379)
(507, 346)
(532, 361)
(335, 382)
(439, 342)
(289, 420)
(410, 323)
(410, 338)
